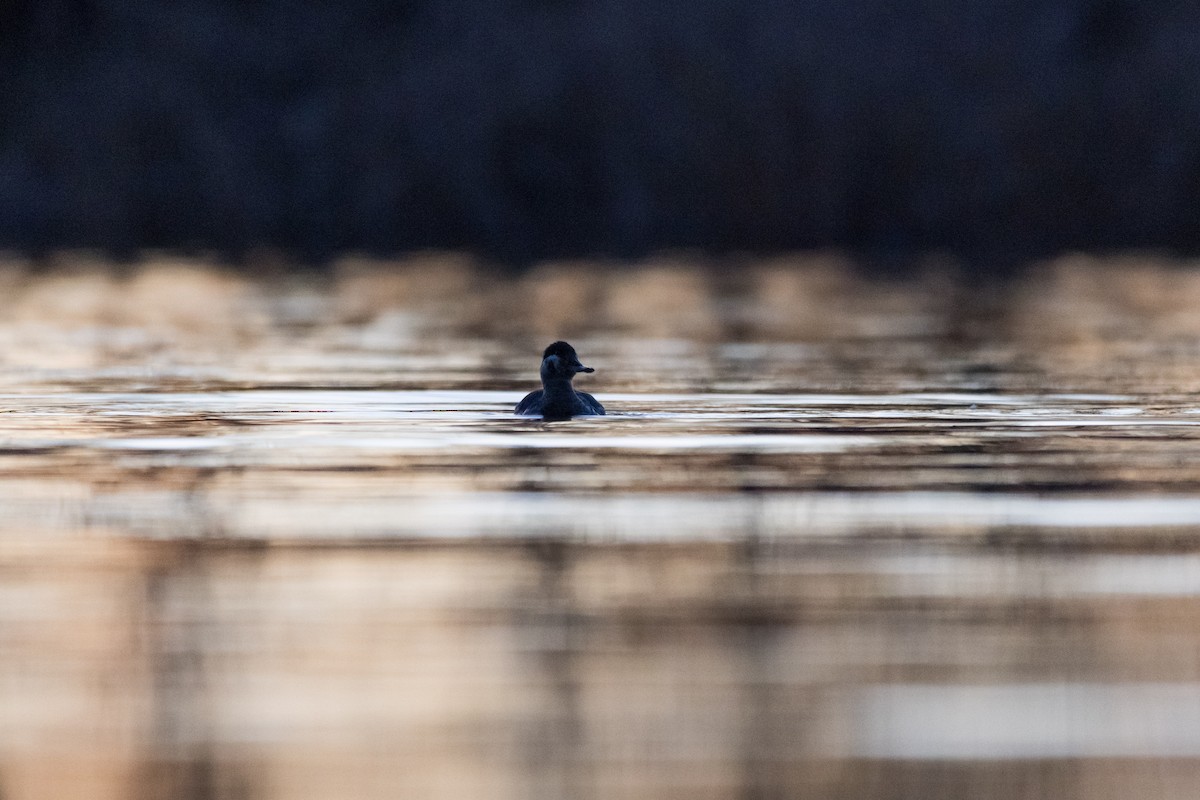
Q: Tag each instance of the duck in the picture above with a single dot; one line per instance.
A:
(558, 399)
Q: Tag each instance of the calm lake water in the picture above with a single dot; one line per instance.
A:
(837, 538)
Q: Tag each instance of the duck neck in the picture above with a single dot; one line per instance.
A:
(556, 386)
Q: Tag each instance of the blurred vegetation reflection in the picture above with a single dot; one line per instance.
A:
(838, 537)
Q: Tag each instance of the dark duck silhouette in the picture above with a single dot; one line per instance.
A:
(557, 399)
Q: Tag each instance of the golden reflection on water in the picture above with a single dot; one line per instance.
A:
(840, 538)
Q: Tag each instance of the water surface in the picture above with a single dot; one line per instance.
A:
(836, 538)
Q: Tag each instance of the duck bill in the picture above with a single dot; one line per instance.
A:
(582, 368)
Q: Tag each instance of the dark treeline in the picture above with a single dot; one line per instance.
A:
(528, 129)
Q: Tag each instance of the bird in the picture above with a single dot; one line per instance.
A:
(557, 399)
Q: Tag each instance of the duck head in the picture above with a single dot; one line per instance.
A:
(559, 362)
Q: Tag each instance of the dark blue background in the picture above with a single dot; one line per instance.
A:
(524, 130)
